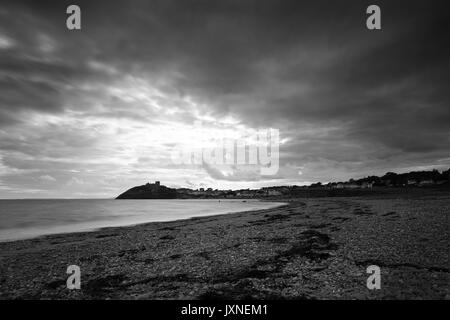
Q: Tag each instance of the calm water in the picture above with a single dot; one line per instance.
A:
(21, 219)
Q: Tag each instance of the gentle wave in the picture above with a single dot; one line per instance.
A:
(22, 219)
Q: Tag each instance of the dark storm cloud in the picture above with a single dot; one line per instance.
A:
(341, 93)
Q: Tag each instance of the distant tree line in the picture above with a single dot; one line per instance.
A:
(404, 179)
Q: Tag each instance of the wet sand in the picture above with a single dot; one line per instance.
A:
(309, 249)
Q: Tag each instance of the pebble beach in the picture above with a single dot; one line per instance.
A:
(317, 248)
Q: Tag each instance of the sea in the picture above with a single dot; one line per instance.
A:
(23, 219)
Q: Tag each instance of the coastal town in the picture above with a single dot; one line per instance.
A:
(421, 179)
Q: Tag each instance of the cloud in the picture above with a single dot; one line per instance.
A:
(47, 178)
(235, 173)
(138, 76)
(75, 181)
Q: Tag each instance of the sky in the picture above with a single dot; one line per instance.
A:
(90, 113)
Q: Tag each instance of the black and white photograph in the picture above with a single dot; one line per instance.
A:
(224, 150)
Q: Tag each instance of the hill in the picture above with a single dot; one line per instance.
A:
(149, 191)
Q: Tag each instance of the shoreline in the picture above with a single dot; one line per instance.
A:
(306, 249)
(280, 203)
(47, 237)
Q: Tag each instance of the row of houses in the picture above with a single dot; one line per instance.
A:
(421, 179)
(386, 183)
(243, 193)
(427, 182)
(352, 185)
